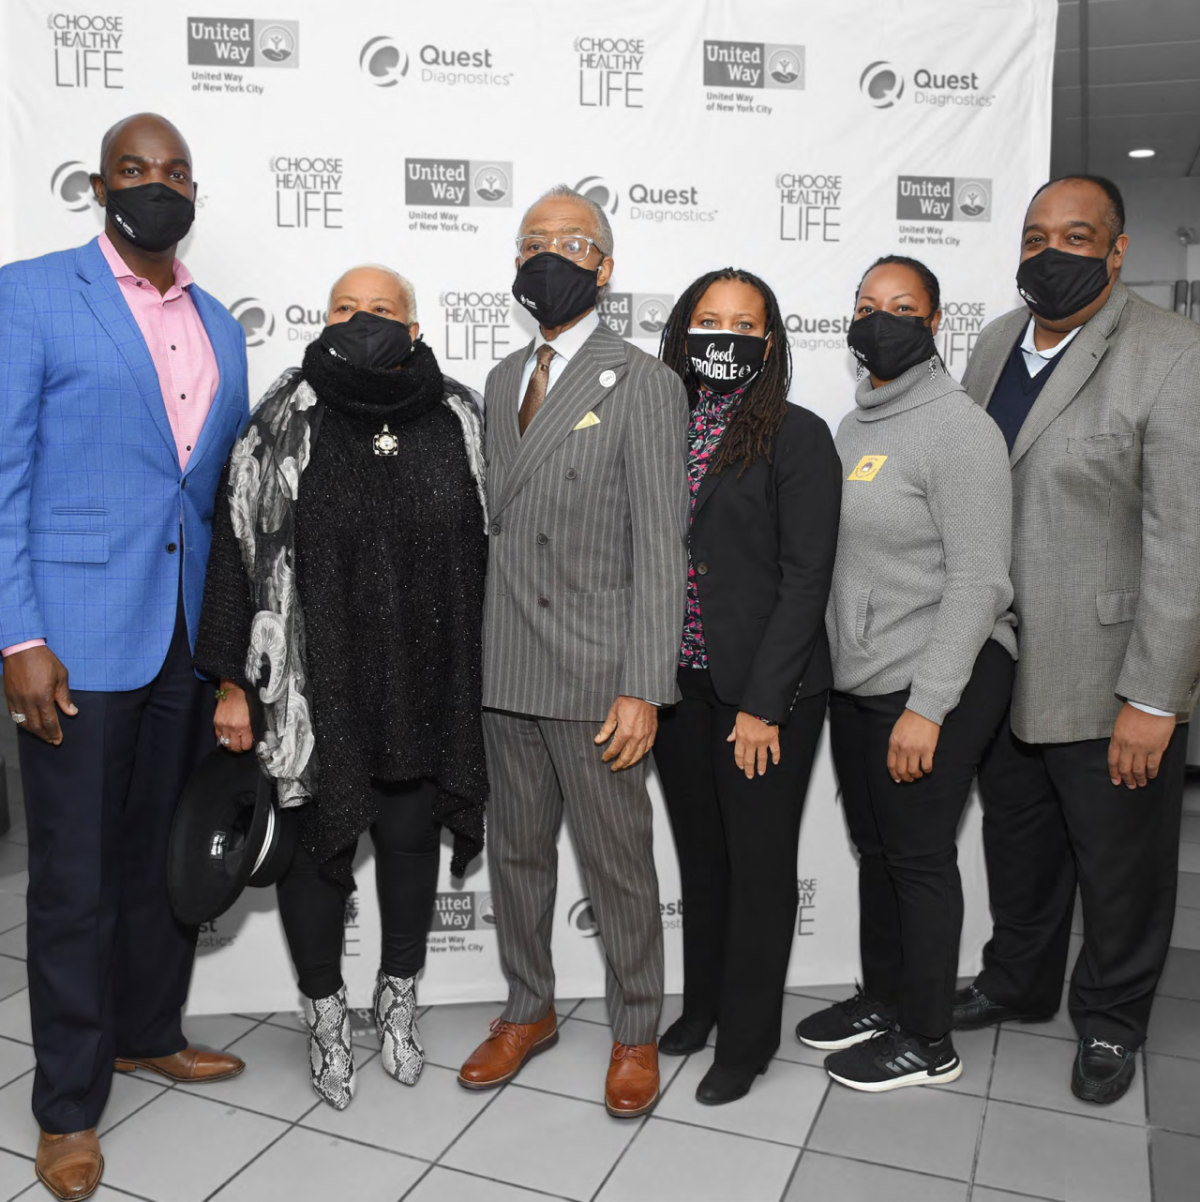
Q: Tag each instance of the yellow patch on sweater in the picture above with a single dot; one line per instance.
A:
(868, 467)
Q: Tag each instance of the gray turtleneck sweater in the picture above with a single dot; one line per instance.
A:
(921, 579)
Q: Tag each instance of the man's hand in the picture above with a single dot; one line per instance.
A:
(232, 719)
(753, 740)
(34, 682)
(632, 725)
(1137, 745)
(911, 747)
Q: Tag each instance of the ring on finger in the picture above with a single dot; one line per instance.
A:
(16, 717)
(224, 740)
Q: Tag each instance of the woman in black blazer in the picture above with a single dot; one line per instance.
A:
(736, 752)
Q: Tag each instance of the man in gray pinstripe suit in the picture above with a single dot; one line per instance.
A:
(587, 490)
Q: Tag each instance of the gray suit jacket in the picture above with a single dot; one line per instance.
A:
(587, 568)
(1106, 520)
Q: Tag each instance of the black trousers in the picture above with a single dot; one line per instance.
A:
(108, 964)
(737, 841)
(407, 854)
(1052, 818)
(909, 891)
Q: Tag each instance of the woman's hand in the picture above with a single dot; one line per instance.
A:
(753, 740)
(911, 747)
(232, 719)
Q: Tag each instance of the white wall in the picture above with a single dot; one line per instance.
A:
(1154, 210)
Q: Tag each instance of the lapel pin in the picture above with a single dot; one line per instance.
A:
(608, 379)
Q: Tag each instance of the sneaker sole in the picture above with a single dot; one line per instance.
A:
(544, 1044)
(900, 1082)
(835, 1045)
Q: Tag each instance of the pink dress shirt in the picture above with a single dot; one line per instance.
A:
(183, 357)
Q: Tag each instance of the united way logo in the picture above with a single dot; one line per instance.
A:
(582, 918)
(463, 911)
(881, 84)
(383, 61)
(242, 42)
(256, 320)
(943, 198)
(457, 182)
(754, 65)
(598, 190)
(71, 186)
(635, 314)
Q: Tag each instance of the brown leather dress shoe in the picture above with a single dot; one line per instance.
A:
(632, 1085)
(70, 1166)
(500, 1056)
(194, 1065)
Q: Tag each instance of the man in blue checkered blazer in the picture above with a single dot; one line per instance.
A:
(122, 388)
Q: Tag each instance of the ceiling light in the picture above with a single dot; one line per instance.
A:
(1144, 153)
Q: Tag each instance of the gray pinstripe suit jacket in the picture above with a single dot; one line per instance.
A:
(1106, 520)
(587, 565)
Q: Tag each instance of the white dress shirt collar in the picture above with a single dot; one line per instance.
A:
(1036, 359)
(569, 342)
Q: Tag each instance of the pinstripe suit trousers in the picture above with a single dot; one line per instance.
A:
(538, 767)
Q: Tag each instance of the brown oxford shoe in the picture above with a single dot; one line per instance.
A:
(632, 1085)
(499, 1058)
(196, 1066)
(70, 1166)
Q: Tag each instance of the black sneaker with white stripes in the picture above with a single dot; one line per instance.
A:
(894, 1059)
(845, 1023)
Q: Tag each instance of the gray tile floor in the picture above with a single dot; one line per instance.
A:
(1007, 1130)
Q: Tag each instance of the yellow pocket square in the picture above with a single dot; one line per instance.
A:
(590, 420)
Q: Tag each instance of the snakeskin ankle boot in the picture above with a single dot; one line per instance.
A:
(396, 1026)
(331, 1058)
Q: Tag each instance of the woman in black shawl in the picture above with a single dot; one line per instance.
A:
(345, 592)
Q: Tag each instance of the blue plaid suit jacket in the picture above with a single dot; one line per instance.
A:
(91, 494)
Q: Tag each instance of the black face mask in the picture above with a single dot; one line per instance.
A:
(723, 361)
(887, 345)
(368, 340)
(1055, 284)
(554, 289)
(151, 216)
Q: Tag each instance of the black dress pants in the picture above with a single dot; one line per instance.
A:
(737, 841)
(108, 964)
(910, 894)
(407, 855)
(1053, 818)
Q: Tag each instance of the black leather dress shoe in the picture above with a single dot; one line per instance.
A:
(973, 1009)
(720, 1085)
(683, 1037)
(1103, 1072)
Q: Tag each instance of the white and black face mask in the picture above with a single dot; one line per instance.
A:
(723, 361)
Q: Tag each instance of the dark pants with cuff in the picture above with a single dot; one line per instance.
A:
(910, 894)
(1052, 819)
(108, 964)
(737, 841)
(407, 856)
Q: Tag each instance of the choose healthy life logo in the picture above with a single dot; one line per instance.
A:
(942, 198)
(255, 318)
(383, 62)
(753, 65)
(881, 84)
(71, 185)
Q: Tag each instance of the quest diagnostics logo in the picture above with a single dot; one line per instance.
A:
(599, 191)
(256, 320)
(242, 42)
(582, 918)
(753, 65)
(882, 84)
(71, 187)
(385, 62)
(943, 198)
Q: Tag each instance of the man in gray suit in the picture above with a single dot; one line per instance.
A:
(1098, 394)
(586, 584)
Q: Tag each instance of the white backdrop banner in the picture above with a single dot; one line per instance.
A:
(797, 139)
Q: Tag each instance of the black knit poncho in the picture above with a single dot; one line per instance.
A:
(390, 558)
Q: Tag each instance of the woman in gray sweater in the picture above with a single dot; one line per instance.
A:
(923, 648)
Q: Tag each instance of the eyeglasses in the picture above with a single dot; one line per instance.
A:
(575, 247)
